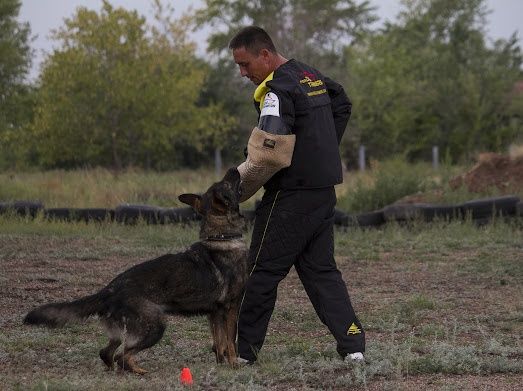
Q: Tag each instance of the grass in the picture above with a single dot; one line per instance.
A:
(431, 300)
(441, 303)
(101, 187)
(385, 183)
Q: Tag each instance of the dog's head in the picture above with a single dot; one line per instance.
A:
(219, 206)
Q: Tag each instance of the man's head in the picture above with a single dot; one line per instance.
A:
(255, 53)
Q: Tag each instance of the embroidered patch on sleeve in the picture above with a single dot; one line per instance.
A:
(268, 143)
(271, 105)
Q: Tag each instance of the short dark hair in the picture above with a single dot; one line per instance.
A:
(253, 39)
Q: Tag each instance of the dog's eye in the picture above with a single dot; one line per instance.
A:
(223, 198)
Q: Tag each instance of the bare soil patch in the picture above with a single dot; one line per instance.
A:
(492, 170)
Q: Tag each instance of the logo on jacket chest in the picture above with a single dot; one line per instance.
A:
(310, 79)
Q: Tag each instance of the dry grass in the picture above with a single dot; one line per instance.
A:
(441, 305)
(102, 188)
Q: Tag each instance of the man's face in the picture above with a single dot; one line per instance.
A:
(255, 67)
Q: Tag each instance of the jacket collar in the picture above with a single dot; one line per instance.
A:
(262, 89)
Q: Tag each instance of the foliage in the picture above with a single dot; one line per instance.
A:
(389, 181)
(305, 29)
(308, 30)
(431, 79)
(16, 98)
(226, 89)
(120, 93)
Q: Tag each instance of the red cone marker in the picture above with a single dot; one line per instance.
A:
(186, 376)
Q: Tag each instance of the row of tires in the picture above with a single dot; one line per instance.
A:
(128, 214)
(481, 211)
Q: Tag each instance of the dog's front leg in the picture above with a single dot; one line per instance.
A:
(213, 333)
(217, 321)
(231, 325)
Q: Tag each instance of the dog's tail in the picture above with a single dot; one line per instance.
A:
(58, 314)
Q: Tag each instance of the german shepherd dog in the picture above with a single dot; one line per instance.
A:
(208, 278)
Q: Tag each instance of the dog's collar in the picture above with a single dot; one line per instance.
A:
(223, 237)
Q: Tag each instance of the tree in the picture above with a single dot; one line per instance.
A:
(313, 31)
(305, 29)
(15, 60)
(119, 93)
(431, 79)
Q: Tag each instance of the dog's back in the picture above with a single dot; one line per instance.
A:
(193, 282)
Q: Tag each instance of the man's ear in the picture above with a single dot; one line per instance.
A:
(193, 200)
(266, 54)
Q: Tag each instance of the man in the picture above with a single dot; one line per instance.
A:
(293, 153)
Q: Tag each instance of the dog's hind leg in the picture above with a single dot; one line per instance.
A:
(135, 344)
(140, 334)
(107, 354)
(127, 362)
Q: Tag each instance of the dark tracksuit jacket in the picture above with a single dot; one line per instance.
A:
(294, 220)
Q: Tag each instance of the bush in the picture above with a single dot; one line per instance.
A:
(392, 180)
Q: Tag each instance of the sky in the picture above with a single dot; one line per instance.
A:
(45, 15)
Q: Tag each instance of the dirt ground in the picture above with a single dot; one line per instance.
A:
(503, 172)
(468, 303)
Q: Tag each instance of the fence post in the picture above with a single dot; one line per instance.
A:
(218, 163)
(435, 157)
(361, 158)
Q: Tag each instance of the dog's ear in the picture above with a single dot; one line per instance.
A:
(193, 200)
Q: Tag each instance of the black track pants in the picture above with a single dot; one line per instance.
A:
(299, 232)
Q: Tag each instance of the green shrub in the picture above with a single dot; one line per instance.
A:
(392, 180)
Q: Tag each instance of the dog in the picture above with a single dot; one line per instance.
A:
(209, 278)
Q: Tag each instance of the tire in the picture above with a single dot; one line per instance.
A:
(61, 214)
(131, 214)
(402, 212)
(27, 208)
(368, 219)
(442, 212)
(4, 207)
(341, 218)
(487, 208)
(94, 214)
(74, 214)
(519, 209)
(178, 215)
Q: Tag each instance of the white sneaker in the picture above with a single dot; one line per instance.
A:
(243, 361)
(355, 357)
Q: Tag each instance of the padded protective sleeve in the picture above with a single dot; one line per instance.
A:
(267, 154)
